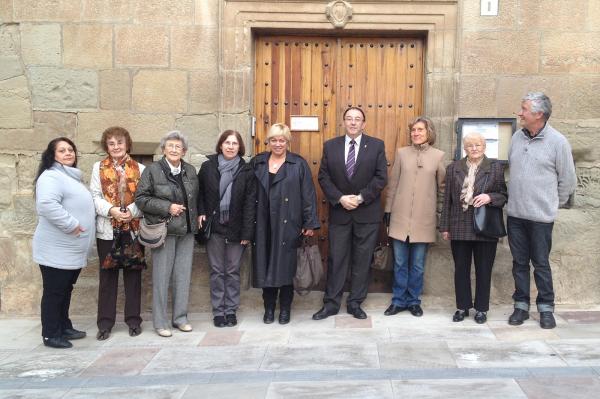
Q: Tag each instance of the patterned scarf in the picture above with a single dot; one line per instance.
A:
(466, 194)
(119, 181)
(228, 170)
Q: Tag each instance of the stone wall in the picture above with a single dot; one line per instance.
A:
(75, 67)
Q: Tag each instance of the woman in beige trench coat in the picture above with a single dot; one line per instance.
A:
(410, 213)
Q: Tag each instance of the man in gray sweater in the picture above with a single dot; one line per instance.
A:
(542, 177)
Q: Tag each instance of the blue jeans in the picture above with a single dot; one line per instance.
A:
(409, 266)
(531, 241)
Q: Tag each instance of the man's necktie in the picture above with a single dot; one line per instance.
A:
(350, 161)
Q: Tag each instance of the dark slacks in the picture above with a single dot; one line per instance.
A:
(224, 258)
(351, 248)
(483, 254)
(56, 299)
(107, 292)
(531, 241)
(286, 296)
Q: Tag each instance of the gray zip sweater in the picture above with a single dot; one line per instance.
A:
(542, 175)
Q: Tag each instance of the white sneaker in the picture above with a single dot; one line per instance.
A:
(164, 332)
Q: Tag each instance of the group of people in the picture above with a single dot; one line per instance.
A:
(270, 203)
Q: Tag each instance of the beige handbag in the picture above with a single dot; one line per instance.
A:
(153, 235)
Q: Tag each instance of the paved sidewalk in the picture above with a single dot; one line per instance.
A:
(381, 357)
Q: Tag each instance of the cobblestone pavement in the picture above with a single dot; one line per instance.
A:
(381, 357)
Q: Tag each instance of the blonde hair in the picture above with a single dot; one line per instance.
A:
(279, 129)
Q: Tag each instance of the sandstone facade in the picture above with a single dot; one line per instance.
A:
(75, 67)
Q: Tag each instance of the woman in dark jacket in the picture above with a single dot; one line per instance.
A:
(168, 190)
(286, 210)
(471, 182)
(227, 195)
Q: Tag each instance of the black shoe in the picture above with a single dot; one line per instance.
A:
(357, 312)
(102, 335)
(460, 315)
(284, 316)
(518, 317)
(393, 309)
(324, 313)
(415, 310)
(480, 317)
(135, 331)
(58, 342)
(231, 320)
(71, 333)
(269, 316)
(219, 321)
(547, 320)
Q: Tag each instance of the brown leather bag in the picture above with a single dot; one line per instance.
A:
(309, 268)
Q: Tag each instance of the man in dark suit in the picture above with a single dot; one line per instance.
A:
(352, 174)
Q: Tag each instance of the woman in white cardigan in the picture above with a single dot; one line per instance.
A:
(113, 184)
(62, 238)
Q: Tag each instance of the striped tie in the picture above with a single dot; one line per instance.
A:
(350, 161)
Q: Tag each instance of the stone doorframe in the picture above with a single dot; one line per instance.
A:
(436, 20)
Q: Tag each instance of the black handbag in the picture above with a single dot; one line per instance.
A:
(489, 220)
(206, 230)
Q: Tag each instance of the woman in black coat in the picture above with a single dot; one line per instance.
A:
(471, 182)
(286, 210)
(227, 195)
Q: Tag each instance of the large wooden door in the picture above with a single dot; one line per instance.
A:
(322, 76)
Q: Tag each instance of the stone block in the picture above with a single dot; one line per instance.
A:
(207, 12)
(6, 11)
(500, 52)
(194, 47)
(15, 103)
(571, 52)
(474, 21)
(237, 48)
(236, 91)
(593, 16)
(554, 15)
(142, 45)
(177, 12)
(584, 101)
(106, 10)
(49, 124)
(87, 46)
(115, 89)
(205, 93)
(47, 10)
(21, 220)
(21, 297)
(40, 44)
(438, 86)
(511, 90)
(10, 39)
(26, 169)
(142, 127)
(476, 96)
(59, 89)
(202, 132)
(10, 66)
(8, 186)
(160, 91)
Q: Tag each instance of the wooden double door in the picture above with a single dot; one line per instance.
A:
(321, 77)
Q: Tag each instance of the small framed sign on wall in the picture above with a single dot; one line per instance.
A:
(497, 133)
(303, 123)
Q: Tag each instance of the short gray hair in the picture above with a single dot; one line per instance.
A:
(539, 103)
(174, 135)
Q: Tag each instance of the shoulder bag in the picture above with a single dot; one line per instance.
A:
(488, 220)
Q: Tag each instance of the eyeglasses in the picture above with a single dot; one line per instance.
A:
(348, 119)
(177, 147)
(473, 146)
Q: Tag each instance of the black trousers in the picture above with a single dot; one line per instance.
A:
(483, 254)
(56, 299)
(286, 295)
(107, 292)
(351, 248)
